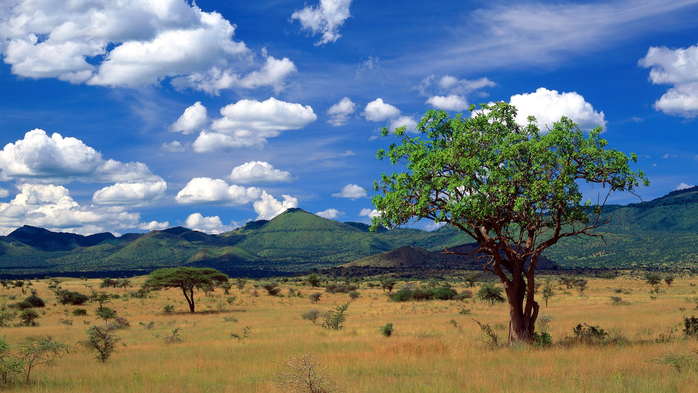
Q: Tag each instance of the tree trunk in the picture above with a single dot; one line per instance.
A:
(190, 298)
(523, 309)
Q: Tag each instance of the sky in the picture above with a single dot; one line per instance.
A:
(137, 115)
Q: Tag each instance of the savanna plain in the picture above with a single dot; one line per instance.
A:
(248, 340)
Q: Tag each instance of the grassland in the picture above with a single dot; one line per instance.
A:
(425, 354)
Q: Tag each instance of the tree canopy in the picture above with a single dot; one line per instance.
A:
(514, 189)
(186, 278)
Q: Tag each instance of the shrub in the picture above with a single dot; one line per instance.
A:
(168, 309)
(340, 288)
(543, 339)
(23, 305)
(79, 311)
(589, 334)
(311, 315)
(677, 362)
(466, 294)
(6, 318)
(105, 313)
(315, 297)
(141, 293)
(174, 338)
(303, 374)
(28, 317)
(491, 337)
(490, 293)
(120, 323)
(653, 279)
(403, 295)
(35, 301)
(443, 293)
(354, 295)
(240, 283)
(387, 330)
(313, 280)
(335, 319)
(102, 340)
(272, 288)
(690, 326)
(39, 350)
(74, 298)
(422, 294)
(618, 301)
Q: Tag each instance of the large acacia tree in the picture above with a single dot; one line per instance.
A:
(513, 188)
(187, 279)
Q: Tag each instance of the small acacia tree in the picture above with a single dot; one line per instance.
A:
(512, 188)
(187, 279)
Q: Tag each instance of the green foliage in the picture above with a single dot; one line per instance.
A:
(690, 326)
(168, 309)
(105, 313)
(74, 298)
(100, 298)
(335, 319)
(240, 283)
(185, 278)
(403, 295)
(354, 295)
(548, 293)
(28, 317)
(79, 312)
(678, 362)
(245, 334)
(587, 334)
(272, 288)
(313, 280)
(653, 279)
(471, 278)
(491, 293)
(315, 297)
(174, 337)
(387, 330)
(311, 315)
(491, 337)
(6, 318)
(35, 301)
(23, 305)
(39, 351)
(102, 340)
(443, 293)
(388, 283)
(543, 339)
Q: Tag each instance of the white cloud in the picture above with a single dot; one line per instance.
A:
(268, 207)
(463, 86)
(193, 119)
(548, 106)
(679, 68)
(369, 213)
(351, 191)
(52, 207)
(57, 159)
(121, 44)
(4, 193)
(327, 18)
(211, 224)
(340, 112)
(408, 122)
(668, 155)
(258, 172)
(211, 142)
(432, 226)
(153, 225)
(204, 190)
(330, 214)
(451, 102)
(251, 122)
(132, 193)
(173, 147)
(683, 186)
(378, 110)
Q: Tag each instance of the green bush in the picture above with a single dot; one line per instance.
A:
(422, 294)
(690, 328)
(311, 315)
(28, 317)
(443, 293)
(23, 305)
(387, 330)
(74, 298)
(79, 312)
(589, 334)
(35, 301)
(403, 295)
(335, 319)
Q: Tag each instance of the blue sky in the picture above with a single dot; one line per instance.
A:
(150, 114)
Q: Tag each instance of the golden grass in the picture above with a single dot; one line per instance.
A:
(425, 354)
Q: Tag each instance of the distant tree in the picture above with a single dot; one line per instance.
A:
(108, 283)
(240, 283)
(669, 280)
(100, 298)
(123, 283)
(272, 288)
(581, 285)
(226, 286)
(513, 188)
(653, 279)
(187, 279)
(491, 293)
(388, 283)
(28, 317)
(471, 278)
(313, 280)
(102, 340)
(548, 293)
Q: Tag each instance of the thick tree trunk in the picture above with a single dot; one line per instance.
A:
(523, 309)
(190, 298)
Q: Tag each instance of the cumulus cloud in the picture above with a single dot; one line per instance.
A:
(408, 122)
(548, 106)
(432, 226)
(193, 119)
(4, 193)
(330, 214)
(351, 191)
(211, 224)
(258, 172)
(340, 112)
(122, 44)
(326, 19)
(153, 225)
(212, 142)
(173, 147)
(269, 207)
(377, 110)
(678, 67)
(683, 186)
(57, 159)
(451, 102)
(369, 213)
(204, 190)
(52, 207)
(132, 193)
(450, 93)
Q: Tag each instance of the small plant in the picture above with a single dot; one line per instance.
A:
(669, 280)
(335, 319)
(102, 340)
(690, 326)
(543, 322)
(79, 312)
(303, 374)
(245, 333)
(465, 311)
(240, 283)
(174, 337)
(272, 288)
(105, 313)
(311, 315)
(28, 317)
(387, 330)
(39, 351)
(668, 336)
(677, 362)
(315, 297)
(548, 293)
(68, 322)
(589, 334)
(543, 339)
(231, 300)
(618, 301)
(35, 301)
(168, 309)
(230, 319)
(491, 337)
(354, 295)
(464, 295)
(456, 325)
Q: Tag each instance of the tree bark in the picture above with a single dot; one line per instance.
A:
(190, 298)
(523, 309)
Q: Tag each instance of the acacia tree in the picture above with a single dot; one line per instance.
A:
(514, 189)
(186, 278)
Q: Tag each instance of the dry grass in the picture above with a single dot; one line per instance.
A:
(425, 354)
